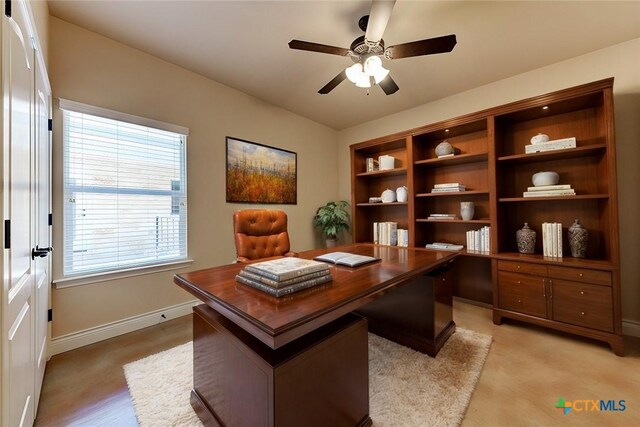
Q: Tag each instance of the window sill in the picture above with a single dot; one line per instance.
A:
(88, 279)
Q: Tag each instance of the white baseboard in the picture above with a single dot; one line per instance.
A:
(98, 333)
(631, 328)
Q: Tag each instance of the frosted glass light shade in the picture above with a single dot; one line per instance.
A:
(373, 67)
(354, 73)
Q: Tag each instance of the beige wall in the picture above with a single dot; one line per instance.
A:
(92, 69)
(621, 62)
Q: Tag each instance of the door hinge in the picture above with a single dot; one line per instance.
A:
(50, 124)
(50, 219)
(7, 8)
(50, 315)
(7, 234)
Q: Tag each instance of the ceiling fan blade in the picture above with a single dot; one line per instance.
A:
(333, 83)
(317, 47)
(378, 19)
(422, 47)
(388, 85)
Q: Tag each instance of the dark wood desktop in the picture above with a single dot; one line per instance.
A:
(303, 359)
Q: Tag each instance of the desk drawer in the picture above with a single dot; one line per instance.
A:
(586, 275)
(583, 305)
(522, 293)
(522, 267)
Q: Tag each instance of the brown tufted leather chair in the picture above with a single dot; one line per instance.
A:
(260, 233)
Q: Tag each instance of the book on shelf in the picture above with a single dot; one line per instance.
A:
(443, 246)
(346, 258)
(386, 233)
(444, 215)
(448, 190)
(282, 283)
(403, 237)
(372, 164)
(286, 290)
(446, 218)
(557, 144)
(550, 187)
(552, 239)
(549, 193)
(286, 268)
(448, 184)
(479, 240)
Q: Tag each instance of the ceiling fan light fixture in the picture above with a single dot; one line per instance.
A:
(364, 81)
(373, 67)
(354, 73)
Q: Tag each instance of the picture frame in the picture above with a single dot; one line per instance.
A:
(260, 174)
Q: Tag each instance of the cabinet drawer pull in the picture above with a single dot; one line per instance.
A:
(581, 292)
(443, 279)
(582, 313)
(518, 267)
(520, 301)
(581, 274)
(519, 282)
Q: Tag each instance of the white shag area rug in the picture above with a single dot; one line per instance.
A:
(406, 388)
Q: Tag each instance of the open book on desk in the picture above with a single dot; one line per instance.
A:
(345, 258)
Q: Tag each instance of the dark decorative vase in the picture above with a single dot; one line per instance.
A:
(578, 239)
(526, 240)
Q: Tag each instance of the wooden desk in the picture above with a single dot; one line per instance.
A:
(302, 359)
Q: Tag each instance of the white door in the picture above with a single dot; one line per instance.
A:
(42, 262)
(18, 355)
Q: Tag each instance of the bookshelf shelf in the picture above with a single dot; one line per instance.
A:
(387, 172)
(548, 198)
(381, 204)
(568, 153)
(452, 193)
(454, 160)
(455, 221)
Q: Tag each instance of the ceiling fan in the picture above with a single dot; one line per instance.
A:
(366, 51)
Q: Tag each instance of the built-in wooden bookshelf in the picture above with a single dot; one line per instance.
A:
(569, 294)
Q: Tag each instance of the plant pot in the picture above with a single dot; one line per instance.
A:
(330, 243)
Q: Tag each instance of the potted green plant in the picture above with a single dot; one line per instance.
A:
(332, 218)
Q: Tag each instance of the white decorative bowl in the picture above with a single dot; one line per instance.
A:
(545, 178)
(539, 138)
(388, 196)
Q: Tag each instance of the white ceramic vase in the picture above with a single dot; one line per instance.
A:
(402, 194)
(467, 210)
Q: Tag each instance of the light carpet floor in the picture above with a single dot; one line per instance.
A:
(406, 388)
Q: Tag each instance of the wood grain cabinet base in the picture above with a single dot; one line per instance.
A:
(239, 381)
(541, 294)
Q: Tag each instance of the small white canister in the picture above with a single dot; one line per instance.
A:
(386, 162)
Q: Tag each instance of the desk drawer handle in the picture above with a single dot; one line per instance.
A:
(581, 292)
(581, 274)
(582, 313)
(519, 282)
(519, 301)
(518, 267)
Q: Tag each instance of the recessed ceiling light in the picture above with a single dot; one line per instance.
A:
(446, 130)
(546, 107)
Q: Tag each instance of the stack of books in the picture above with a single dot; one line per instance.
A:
(448, 187)
(437, 216)
(552, 239)
(549, 191)
(556, 144)
(284, 276)
(403, 237)
(372, 164)
(385, 233)
(479, 241)
(443, 246)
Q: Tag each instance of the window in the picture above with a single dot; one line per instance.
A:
(125, 196)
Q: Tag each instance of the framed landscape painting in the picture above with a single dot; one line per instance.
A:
(258, 173)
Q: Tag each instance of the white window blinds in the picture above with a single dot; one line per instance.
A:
(125, 196)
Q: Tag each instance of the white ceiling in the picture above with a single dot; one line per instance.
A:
(243, 44)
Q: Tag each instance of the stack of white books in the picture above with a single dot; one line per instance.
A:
(438, 216)
(556, 144)
(448, 187)
(403, 237)
(549, 191)
(443, 246)
(479, 241)
(552, 239)
(385, 233)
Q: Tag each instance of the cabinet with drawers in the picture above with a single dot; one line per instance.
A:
(572, 299)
